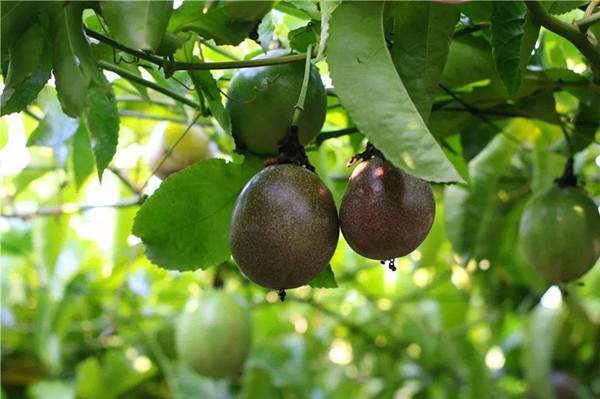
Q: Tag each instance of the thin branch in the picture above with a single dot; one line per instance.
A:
(591, 7)
(190, 66)
(70, 208)
(334, 133)
(569, 32)
(129, 184)
(586, 22)
(140, 115)
(151, 85)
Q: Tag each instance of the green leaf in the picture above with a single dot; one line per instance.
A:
(102, 122)
(325, 279)
(140, 24)
(108, 379)
(469, 212)
(304, 36)
(215, 24)
(508, 20)
(82, 156)
(531, 32)
(28, 69)
(73, 63)
(327, 9)
(184, 225)
(421, 35)
(368, 86)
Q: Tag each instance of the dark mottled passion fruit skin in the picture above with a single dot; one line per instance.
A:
(385, 212)
(284, 227)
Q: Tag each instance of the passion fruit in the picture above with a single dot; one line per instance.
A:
(193, 147)
(385, 212)
(261, 104)
(213, 336)
(284, 228)
(559, 233)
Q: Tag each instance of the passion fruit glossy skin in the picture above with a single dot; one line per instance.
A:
(261, 105)
(559, 233)
(213, 336)
(284, 227)
(385, 212)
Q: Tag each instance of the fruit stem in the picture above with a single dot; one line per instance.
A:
(568, 178)
(290, 150)
(369, 152)
(281, 294)
(299, 107)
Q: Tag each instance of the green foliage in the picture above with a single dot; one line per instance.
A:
(421, 37)
(363, 74)
(89, 309)
(185, 224)
(28, 69)
(137, 24)
(513, 38)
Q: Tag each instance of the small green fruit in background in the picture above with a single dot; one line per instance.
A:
(214, 334)
(247, 11)
(261, 104)
(284, 227)
(560, 233)
(385, 212)
(193, 147)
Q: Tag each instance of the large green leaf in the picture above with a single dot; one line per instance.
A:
(139, 24)
(215, 24)
(28, 69)
(368, 86)
(508, 21)
(421, 36)
(102, 121)
(327, 9)
(73, 64)
(184, 225)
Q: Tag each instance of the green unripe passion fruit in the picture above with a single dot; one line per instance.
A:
(193, 147)
(560, 233)
(213, 336)
(385, 212)
(261, 103)
(247, 11)
(284, 227)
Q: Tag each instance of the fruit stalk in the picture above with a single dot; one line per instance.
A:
(299, 107)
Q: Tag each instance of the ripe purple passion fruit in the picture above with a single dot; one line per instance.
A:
(284, 228)
(385, 212)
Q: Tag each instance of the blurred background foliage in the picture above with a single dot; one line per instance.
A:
(85, 314)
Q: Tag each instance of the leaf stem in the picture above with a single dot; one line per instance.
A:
(151, 85)
(569, 32)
